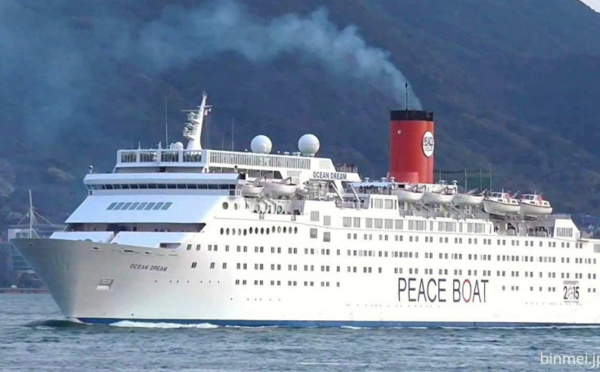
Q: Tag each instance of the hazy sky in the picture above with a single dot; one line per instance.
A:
(594, 4)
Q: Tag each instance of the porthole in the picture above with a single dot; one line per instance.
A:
(232, 231)
(240, 232)
(249, 231)
(267, 231)
(227, 231)
(221, 231)
(244, 232)
(235, 206)
(278, 229)
(284, 229)
(262, 230)
(225, 205)
(295, 230)
(256, 230)
(273, 229)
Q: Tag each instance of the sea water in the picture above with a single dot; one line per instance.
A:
(35, 337)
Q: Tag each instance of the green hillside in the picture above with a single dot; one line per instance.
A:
(514, 85)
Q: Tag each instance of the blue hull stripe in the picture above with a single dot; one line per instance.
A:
(334, 323)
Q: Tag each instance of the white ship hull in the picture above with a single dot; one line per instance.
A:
(152, 284)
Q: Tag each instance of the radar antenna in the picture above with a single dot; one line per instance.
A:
(193, 128)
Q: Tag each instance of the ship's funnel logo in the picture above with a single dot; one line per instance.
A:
(428, 144)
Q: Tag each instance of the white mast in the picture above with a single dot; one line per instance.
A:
(31, 216)
(193, 128)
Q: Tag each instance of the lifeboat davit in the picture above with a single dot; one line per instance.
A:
(469, 199)
(252, 191)
(534, 205)
(409, 195)
(501, 203)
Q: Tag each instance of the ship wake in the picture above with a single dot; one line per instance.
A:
(136, 324)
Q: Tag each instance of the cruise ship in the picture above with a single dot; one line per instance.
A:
(185, 234)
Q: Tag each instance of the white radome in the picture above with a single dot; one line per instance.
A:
(308, 144)
(177, 146)
(261, 144)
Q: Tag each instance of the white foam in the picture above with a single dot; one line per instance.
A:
(140, 324)
(353, 327)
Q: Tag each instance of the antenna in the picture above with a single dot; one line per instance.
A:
(406, 91)
(31, 216)
(193, 128)
(166, 123)
(232, 132)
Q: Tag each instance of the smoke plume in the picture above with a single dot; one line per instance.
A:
(51, 61)
(225, 26)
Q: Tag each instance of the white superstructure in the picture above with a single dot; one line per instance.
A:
(240, 238)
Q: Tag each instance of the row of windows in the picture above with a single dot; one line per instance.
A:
(146, 206)
(290, 283)
(564, 231)
(256, 230)
(154, 186)
(457, 240)
(258, 160)
(403, 254)
(398, 270)
(414, 225)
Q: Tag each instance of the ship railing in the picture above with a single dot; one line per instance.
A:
(372, 190)
(159, 156)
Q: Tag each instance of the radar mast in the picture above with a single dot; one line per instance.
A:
(193, 128)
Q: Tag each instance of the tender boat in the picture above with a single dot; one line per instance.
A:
(409, 194)
(470, 199)
(280, 189)
(252, 190)
(501, 203)
(533, 204)
(441, 194)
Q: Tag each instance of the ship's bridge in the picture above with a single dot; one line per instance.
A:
(295, 166)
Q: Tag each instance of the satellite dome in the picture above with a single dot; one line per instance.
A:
(308, 144)
(261, 144)
(177, 146)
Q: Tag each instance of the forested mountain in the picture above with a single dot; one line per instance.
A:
(514, 86)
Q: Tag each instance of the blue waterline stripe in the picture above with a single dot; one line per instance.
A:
(332, 323)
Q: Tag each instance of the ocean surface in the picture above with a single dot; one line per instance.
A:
(34, 337)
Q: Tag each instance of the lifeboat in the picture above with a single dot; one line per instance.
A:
(501, 203)
(280, 189)
(469, 199)
(277, 189)
(441, 195)
(409, 195)
(534, 205)
(252, 191)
